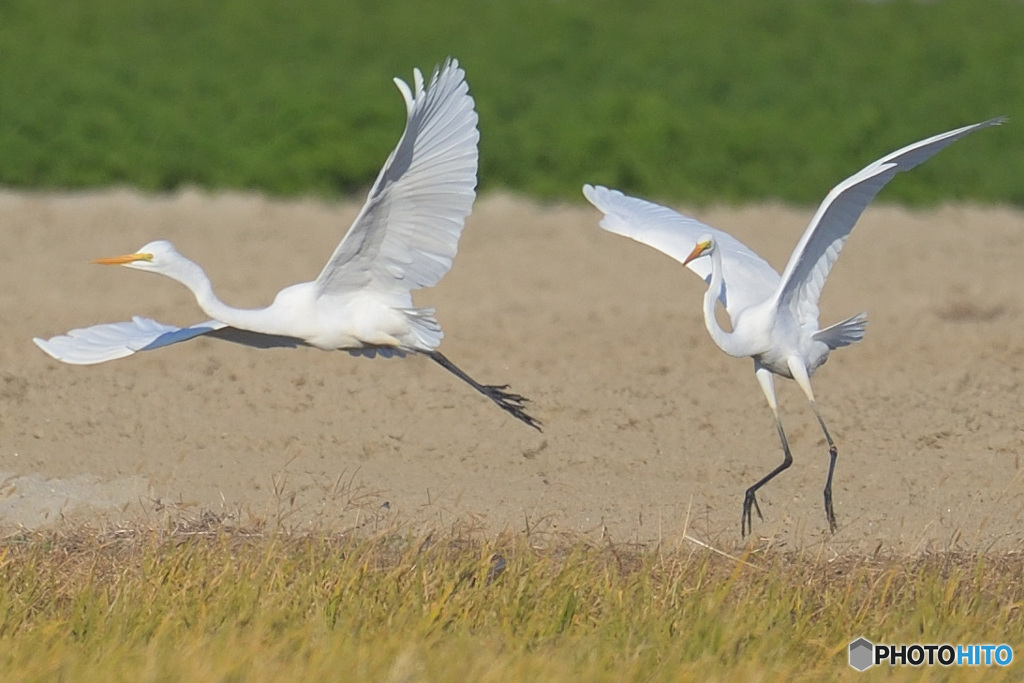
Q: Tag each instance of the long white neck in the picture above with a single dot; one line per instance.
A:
(191, 275)
(726, 341)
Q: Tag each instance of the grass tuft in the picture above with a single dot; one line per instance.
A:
(149, 605)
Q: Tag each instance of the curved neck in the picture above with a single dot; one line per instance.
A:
(725, 340)
(191, 275)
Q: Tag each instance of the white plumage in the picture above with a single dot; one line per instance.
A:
(404, 238)
(774, 318)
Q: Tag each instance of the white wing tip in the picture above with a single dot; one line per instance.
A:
(411, 94)
(963, 130)
(403, 88)
(45, 346)
(598, 195)
(63, 348)
(450, 64)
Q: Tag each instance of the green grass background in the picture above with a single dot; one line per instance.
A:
(673, 99)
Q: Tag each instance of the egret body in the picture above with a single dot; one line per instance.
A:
(404, 238)
(774, 318)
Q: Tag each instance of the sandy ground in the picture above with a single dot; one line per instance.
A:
(649, 430)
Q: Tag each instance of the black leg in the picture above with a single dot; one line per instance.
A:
(506, 400)
(750, 500)
(830, 515)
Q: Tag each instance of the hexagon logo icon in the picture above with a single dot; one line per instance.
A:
(862, 654)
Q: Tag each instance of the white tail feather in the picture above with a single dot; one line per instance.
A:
(844, 333)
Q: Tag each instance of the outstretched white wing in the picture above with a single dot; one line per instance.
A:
(818, 249)
(110, 341)
(100, 343)
(749, 279)
(407, 233)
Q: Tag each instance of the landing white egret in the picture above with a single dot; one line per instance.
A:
(404, 238)
(774, 318)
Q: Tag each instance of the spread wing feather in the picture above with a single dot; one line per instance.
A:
(110, 341)
(407, 233)
(819, 247)
(749, 279)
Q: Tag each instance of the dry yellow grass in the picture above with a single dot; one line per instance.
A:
(215, 604)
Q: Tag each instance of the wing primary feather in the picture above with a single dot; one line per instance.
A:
(749, 279)
(110, 341)
(816, 252)
(403, 88)
(407, 232)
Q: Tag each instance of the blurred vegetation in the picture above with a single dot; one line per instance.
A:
(237, 606)
(672, 99)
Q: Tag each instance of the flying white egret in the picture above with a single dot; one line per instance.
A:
(404, 238)
(774, 318)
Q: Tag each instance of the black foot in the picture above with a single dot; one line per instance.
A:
(749, 503)
(511, 403)
(506, 400)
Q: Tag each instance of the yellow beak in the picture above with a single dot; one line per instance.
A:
(697, 251)
(121, 260)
